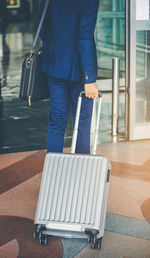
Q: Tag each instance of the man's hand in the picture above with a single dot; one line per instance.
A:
(91, 90)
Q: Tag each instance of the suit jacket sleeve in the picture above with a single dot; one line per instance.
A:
(86, 42)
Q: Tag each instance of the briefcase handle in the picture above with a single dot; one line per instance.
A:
(75, 131)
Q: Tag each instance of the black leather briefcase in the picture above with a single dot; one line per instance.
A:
(34, 85)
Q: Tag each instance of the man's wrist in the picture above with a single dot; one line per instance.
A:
(90, 83)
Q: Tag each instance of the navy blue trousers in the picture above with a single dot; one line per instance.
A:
(62, 93)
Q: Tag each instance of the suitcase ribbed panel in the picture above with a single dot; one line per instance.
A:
(103, 211)
(72, 189)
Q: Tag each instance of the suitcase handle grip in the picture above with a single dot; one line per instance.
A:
(99, 94)
(75, 131)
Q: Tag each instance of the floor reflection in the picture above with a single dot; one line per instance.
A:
(21, 128)
(5, 61)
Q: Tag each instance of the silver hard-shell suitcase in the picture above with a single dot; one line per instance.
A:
(73, 193)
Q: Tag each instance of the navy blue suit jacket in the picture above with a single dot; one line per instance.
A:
(68, 39)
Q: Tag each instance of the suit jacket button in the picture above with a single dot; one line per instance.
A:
(86, 76)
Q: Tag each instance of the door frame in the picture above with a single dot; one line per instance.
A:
(133, 131)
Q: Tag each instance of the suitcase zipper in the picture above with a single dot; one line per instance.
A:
(30, 89)
(28, 63)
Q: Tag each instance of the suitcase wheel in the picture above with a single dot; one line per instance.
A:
(43, 239)
(92, 238)
(38, 228)
(96, 243)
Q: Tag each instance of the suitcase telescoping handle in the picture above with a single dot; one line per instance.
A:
(75, 131)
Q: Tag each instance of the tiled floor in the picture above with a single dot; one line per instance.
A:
(131, 177)
(127, 223)
(118, 246)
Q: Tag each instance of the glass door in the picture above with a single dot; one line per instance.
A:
(139, 111)
(110, 43)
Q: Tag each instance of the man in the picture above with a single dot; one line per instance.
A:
(71, 65)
